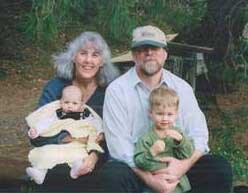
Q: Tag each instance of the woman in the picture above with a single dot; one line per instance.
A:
(86, 64)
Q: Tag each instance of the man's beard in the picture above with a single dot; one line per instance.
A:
(149, 69)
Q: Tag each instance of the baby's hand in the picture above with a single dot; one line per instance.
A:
(157, 147)
(174, 134)
(33, 133)
(100, 137)
(83, 140)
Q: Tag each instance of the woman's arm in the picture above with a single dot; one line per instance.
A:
(60, 138)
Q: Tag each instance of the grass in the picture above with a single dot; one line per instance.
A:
(229, 139)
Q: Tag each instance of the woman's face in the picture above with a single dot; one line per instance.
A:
(87, 62)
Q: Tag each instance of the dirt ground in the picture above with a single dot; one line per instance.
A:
(19, 93)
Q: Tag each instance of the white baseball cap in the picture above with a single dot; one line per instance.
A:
(148, 35)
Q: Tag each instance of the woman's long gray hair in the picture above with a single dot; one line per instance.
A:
(63, 61)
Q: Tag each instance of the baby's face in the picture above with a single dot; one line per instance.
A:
(71, 102)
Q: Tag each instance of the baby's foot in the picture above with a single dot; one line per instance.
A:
(75, 168)
(37, 175)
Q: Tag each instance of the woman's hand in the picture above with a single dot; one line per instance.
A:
(88, 164)
(67, 139)
(100, 137)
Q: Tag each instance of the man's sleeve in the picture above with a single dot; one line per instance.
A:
(193, 120)
(117, 127)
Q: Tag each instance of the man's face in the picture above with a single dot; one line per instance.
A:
(149, 59)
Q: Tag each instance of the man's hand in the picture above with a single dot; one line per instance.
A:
(163, 183)
(175, 166)
(160, 183)
(179, 167)
(157, 148)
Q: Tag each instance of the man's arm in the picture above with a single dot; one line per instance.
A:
(193, 120)
(179, 167)
(117, 127)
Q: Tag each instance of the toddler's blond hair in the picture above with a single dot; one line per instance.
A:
(163, 97)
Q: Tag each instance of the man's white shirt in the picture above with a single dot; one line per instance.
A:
(125, 114)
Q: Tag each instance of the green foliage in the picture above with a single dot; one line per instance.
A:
(228, 74)
(48, 17)
(235, 63)
(233, 69)
(223, 143)
(241, 57)
(113, 18)
(179, 14)
(243, 112)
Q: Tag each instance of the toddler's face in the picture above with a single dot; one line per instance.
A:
(71, 102)
(163, 117)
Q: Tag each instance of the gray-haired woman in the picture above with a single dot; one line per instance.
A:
(86, 64)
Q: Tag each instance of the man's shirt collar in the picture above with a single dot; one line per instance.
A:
(135, 79)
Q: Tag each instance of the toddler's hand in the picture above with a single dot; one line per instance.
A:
(174, 134)
(32, 133)
(157, 147)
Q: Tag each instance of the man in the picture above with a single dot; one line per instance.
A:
(126, 119)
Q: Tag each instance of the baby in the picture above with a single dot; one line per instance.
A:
(164, 139)
(70, 114)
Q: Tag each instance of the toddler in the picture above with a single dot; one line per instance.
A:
(164, 139)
